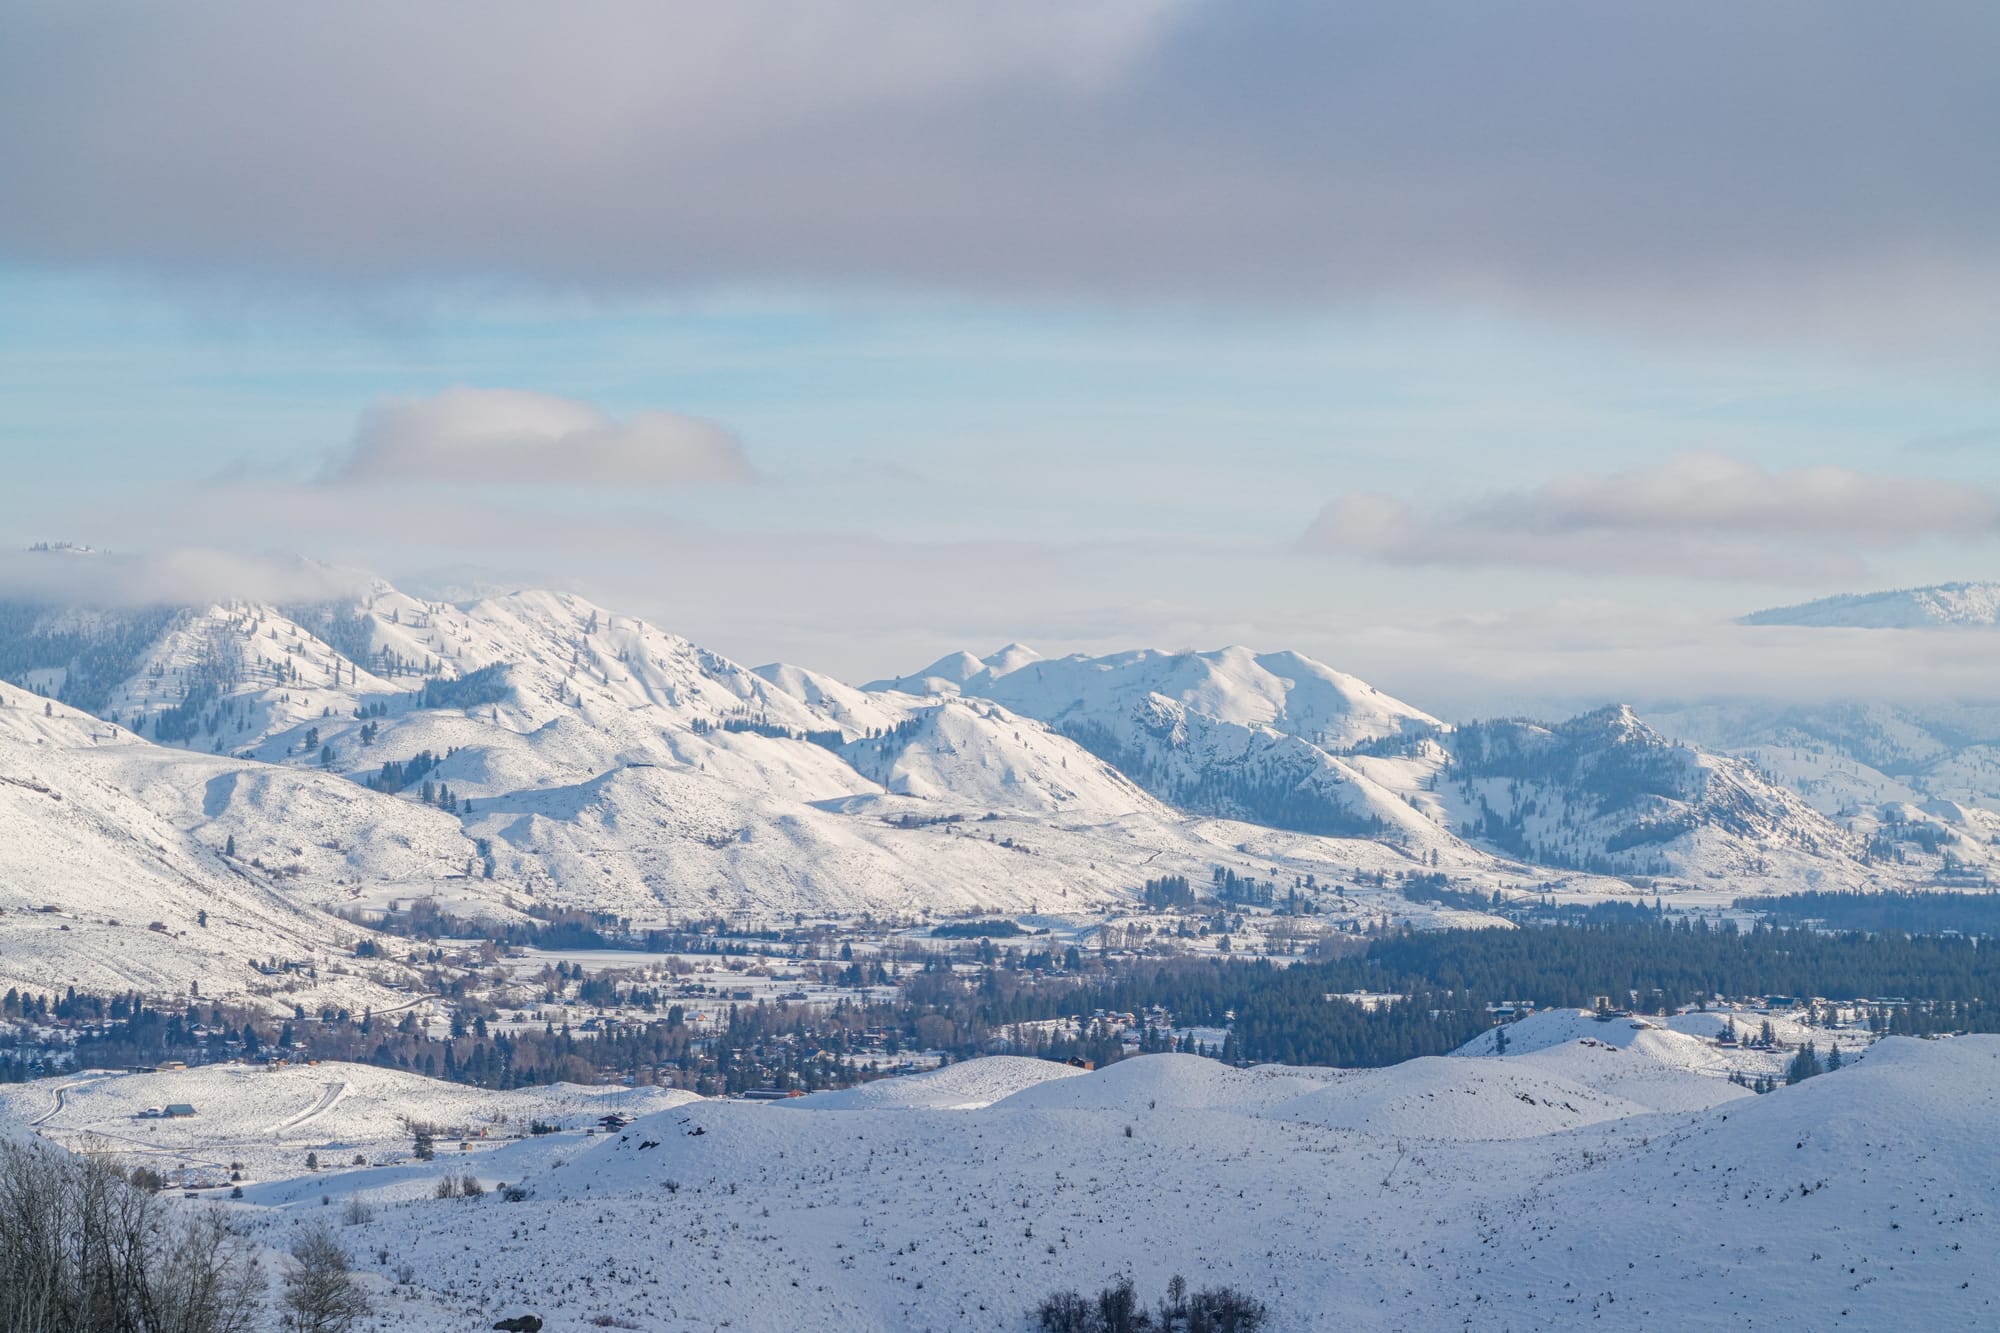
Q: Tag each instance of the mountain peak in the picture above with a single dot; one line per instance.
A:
(1011, 658)
(1942, 605)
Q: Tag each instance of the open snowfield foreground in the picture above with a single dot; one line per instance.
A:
(1584, 1179)
(266, 1121)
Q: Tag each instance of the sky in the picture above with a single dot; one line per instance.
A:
(1499, 353)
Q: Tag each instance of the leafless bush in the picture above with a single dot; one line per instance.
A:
(458, 1187)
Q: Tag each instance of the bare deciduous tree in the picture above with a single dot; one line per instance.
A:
(321, 1295)
(83, 1250)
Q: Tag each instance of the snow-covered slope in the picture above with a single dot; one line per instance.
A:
(1606, 792)
(536, 747)
(1285, 692)
(1504, 1192)
(1918, 783)
(113, 872)
(1233, 733)
(1961, 605)
(974, 753)
(1282, 740)
(1848, 757)
(961, 1087)
(269, 1119)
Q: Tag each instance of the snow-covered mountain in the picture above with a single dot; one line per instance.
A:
(1282, 740)
(1606, 792)
(1262, 738)
(1285, 692)
(533, 749)
(1945, 605)
(548, 752)
(1920, 783)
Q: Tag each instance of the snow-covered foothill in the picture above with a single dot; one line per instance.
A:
(1546, 1189)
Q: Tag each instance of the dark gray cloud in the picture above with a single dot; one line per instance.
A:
(1696, 515)
(1807, 165)
(477, 436)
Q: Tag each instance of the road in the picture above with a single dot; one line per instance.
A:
(61, 1099)
(327, 1100)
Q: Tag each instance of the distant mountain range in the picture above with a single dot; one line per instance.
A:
(267, 765)
(1946, 605)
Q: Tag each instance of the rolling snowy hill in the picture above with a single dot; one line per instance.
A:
(268, 1120)
(1594, 1175)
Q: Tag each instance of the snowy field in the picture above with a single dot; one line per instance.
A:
(1600, 1174)
(267, 1120)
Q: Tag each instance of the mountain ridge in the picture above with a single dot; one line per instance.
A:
(1962, 605)
(536, 749)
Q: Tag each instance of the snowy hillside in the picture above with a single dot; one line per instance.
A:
(1285, 692)
(1961, 605)
(1235, 734)
(1605, 792)
(267, 1120)
(114, 873)
(1281, 740)
(1914, 781)
(1577, 1182)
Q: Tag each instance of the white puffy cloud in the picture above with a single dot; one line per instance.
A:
(1696, 515)
(514, 437)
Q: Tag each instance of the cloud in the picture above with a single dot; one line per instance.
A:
(170, 576)
(1697, 515)
(1757, 164)
(513, 437)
